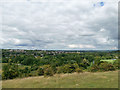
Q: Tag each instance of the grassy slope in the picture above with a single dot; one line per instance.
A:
(74, 80)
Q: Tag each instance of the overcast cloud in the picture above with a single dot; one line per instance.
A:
(73, 24)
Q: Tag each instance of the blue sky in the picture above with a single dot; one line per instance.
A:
(66, 25)
(102, 3)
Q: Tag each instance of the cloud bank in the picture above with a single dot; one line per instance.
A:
(73, 24)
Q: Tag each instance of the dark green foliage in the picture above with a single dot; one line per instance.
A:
(117, 64)
(21, 73)
(75, 65)
(34, 67)
(65, 69)
(5, 60)
(85, 63)
(45, 70)
(40, 71)
(68, 68)
(28, 61)
(48, 72)
(94, 68)
(106, 67)
(10, 71)
(47, 63)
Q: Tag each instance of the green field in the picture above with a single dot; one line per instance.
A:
(108, 60)
(74, 80)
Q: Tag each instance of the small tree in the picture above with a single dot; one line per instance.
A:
(85, 63)
(117, 64)
(40, 71)
(78, 70)
(93, 68)
(48, 72)
(106, 67)
(68, 68)
(10, 71)
(59, 69)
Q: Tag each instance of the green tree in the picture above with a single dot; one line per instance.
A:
(10, 71)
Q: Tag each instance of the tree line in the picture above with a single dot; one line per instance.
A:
(25, 65)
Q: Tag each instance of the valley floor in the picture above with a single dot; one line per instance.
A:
(74, 80)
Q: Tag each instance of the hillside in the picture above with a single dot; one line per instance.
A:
(74, 80)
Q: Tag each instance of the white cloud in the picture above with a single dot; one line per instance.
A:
(59, 24)
(81, 46)
(102, 30)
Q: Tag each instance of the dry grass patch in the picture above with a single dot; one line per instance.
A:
(74, 80)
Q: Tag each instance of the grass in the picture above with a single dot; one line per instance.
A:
(74, 80)
(109, 61)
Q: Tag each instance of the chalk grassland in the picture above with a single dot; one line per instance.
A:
(74, 80)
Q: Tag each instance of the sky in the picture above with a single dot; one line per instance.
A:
(59, 24)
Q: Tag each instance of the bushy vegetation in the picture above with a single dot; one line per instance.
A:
(94, 68)
(40, 71)
(106, 67)
(10, 71)
(78, 70)
(48, 72)
(47, 63)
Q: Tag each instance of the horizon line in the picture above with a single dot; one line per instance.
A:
(66, 49)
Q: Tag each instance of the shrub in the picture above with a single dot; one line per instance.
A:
(26, 70)
(78, 70)
(74, 66)
(34, 67)
(45, 67)
(85, 63)
(10, 71)
(54, 69)
(59, 69)
(67, 68)
(40, 71)
(117, 64)
(48, 72)
(94, 68)
(30, 74)
(106, 67)
(3, 77)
